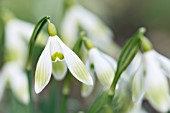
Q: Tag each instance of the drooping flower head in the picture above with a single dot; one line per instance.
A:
(150, 80)
(55, 58)
(13, 75)
(78, 17)
(17, 36)
(100, 64)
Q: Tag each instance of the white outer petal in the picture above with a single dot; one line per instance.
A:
(164, 62)
(157, 88)
(59, 70)
(18, 34)
(20, 88)
(99, 33)
(87, 90)
(103, 68)
(43, 69)
(110, 60)
(95, 28)
(138, 86)
(18, 81)
(134, 65)
(75, 65)
(69, 29)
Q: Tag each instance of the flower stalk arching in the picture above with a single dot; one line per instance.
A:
(2, 39)
(33, 39)
(128, 53)
(34, 35)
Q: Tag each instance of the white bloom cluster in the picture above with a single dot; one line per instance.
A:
(150, 81)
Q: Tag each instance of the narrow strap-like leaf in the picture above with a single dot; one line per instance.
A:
(128, 53)
(100, 101)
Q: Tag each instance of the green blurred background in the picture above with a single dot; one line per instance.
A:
(122, 16)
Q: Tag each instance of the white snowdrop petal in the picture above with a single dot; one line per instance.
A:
(69, 29)
(86, 89)
(102, 67)
(157, 89)
(95, 28)
(54, 45)
(43, 69)
(24, 29)
(17, 79)
(138, 86)
(110, 60)
(20, 88)
(134, 65)
(164, 62)
(16, 48)
(59, 70)
(75, 65)
(18, 34)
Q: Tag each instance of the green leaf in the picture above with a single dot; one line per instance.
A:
(128, 53)
(98, 103)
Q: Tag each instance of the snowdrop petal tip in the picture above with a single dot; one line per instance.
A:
(43, 70)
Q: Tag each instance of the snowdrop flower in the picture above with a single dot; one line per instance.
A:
(18, 34)
(78, 17)
(17, 37)
(150, 80)
(104, 66)
(16, 79)
(56, 52)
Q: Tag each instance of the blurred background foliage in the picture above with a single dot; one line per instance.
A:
(122, 16)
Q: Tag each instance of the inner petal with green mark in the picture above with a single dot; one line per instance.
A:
(57, 56)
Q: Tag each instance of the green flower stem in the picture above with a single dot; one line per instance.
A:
(2, 40)
(35, 33)
(98, 103)
(54, 94)
(66, 88)
(78, 44)
(66, 92)
(64, 104)
(68, 4)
